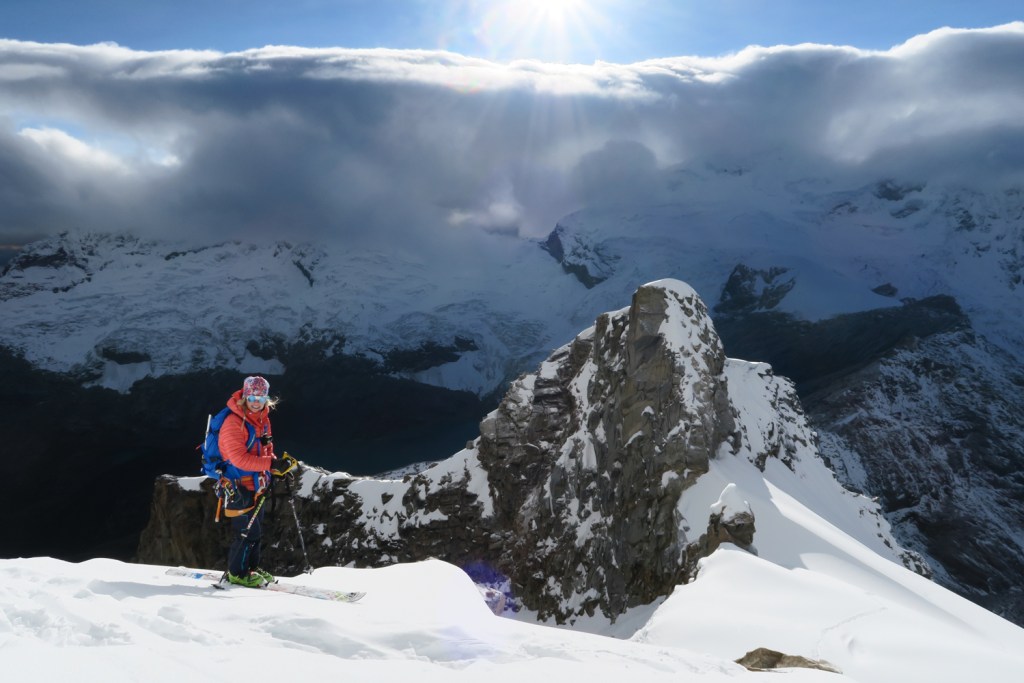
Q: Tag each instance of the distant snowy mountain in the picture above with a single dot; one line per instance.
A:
(114, 309)
(856, 290)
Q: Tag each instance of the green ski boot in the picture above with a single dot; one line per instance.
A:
(264, 574)
(250, 580)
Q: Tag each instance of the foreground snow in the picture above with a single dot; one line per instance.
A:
(107, 621)
(104, 620)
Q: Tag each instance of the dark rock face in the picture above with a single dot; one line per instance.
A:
(586, 262)
(573, 489)
(932, 428)
(892, 191)
(748, 290)
(70, 268)
(427, 355)
(591, 483)
(738, 530)
(815, 354)
(172, 512)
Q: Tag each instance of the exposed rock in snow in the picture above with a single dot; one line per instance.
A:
(580, 257)
(731, 521)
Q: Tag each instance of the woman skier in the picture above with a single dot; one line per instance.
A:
(246, 441)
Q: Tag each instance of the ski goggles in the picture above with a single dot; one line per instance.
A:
(257, 399)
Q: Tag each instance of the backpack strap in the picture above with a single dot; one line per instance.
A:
(252, 435)
(217, 421)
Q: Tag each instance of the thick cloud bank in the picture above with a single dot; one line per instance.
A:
(426, 146)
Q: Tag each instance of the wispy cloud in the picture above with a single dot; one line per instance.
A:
(386, 144)
(70, 151)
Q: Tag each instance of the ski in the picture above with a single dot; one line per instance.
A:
(276, 586)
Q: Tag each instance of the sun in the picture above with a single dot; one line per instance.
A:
(548, 30)
(554, 11)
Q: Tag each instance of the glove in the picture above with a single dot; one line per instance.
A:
(281, 466)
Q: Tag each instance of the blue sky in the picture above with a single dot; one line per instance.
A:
(579, 31)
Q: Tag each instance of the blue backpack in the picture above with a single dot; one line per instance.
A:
(215, 466)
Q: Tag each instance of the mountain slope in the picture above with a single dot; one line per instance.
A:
(935, 429)
(113, 309)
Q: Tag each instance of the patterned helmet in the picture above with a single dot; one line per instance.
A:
(255, 386)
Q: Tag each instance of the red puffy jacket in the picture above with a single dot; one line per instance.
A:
(233, 435)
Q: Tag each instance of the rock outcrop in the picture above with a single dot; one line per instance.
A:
(574, 488)
(765, 659)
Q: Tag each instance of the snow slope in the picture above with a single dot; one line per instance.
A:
(108, 621)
